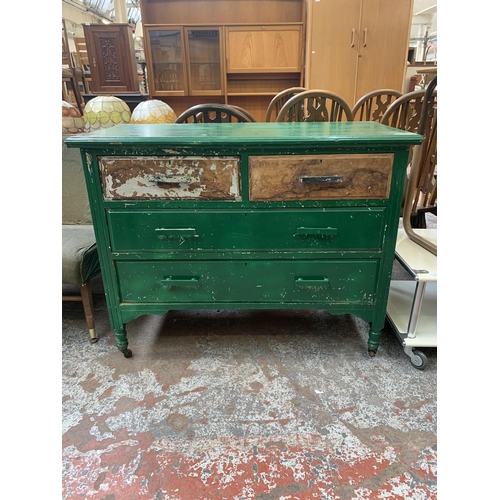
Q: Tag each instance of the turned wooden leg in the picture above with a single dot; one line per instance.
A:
(373, 341)
(121, 341)
(88, 308)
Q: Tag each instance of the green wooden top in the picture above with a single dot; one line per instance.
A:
(257, 134)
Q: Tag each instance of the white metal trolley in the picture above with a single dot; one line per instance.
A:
(412, 305)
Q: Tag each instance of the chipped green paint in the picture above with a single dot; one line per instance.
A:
(214, 252)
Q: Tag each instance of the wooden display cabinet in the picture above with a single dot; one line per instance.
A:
(185, 60)
(111, 54)
(226, 51)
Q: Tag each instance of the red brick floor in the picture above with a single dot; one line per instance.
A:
(244, 405)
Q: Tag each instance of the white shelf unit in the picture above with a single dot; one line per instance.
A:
(412, 305)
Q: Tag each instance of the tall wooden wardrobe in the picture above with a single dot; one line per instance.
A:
(356, 46)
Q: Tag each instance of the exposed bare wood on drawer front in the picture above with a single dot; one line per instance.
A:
(320, 177)
(172, 177)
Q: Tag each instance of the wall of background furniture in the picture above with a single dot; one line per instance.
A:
(243, 52)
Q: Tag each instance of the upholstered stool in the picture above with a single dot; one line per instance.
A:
(80, 263)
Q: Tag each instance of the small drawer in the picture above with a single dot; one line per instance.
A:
(280, 282)
(170, 177)
(320, 177)
(285, 229)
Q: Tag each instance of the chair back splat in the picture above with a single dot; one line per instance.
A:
(315, 106)
(214, 113)
(372, 106)
(279, 99)
(417, 112)
(404, 113)
(245, 112)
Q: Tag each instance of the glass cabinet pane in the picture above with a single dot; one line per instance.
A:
(204, 60)
(167, 62)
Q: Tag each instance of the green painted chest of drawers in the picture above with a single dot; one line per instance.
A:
(246, 215)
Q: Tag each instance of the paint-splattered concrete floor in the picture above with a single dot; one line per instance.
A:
(244, 405)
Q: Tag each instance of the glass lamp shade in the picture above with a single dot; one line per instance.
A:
(104, 112)
(72, 121)
(153, 111)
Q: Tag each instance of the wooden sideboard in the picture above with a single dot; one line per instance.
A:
(252, 215)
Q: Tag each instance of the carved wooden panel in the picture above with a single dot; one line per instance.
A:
(319, 177)
(173, 177)
(109, 58)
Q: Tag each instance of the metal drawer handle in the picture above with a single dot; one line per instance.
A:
(320, 281)
(181, 232)
(171, 179)
(324, 179)
(181, 281)
(317, 231)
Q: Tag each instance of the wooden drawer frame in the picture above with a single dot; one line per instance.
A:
(233, 230)
(171, 177)
(320, 177)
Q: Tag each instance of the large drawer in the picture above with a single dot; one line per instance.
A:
(170, 177)
(279, 281)
(312, 229)
(320, 177)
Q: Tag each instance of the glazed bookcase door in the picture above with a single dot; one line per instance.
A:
(166, 60)
(205, 60)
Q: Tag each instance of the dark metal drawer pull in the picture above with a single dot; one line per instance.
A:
(181, 281)
(317, 231)
(320, 281)
(171, 179)
(181, 232)
(324, 179)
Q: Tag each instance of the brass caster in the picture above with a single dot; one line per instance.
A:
(372, 353)
(93, 340)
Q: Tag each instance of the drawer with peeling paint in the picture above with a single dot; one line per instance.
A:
(292, 229)
(170, 177)
(285, 281)
(320, 177)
